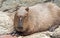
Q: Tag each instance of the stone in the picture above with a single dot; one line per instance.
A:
(57, 2)
(1, 2)
(12, 5)
(56, 33)
(20, 37)
(6, 23)
(36, 35)
(48, 33)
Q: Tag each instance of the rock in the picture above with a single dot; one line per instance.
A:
(36, 35)
(56, 33)
(11, 15)
(57, 2)
(48, 33)
(9, 5)
(7, 36)
(12, 5)
(20, 37)
(6, 23)
(1, 2)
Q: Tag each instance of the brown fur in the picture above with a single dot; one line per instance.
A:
(39, 17)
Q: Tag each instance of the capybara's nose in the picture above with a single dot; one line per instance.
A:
(21, 28)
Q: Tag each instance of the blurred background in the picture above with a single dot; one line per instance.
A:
(12, 5)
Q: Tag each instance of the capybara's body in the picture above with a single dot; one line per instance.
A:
(38, 18)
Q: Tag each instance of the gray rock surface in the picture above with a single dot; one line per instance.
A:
(57, 2)
(56, 33)
(6, 23)
(36, 35)
(11, 5)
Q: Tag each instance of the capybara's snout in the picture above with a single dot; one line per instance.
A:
(19, 28)
(20, 24)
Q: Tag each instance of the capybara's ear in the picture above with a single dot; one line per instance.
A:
(27, 9)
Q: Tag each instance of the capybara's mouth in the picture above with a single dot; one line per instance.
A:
(20, 30)
(21, 33)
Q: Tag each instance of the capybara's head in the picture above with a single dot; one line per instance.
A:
(21, 17)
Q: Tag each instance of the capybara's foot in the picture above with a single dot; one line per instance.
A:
(13, 33)
(52, 28)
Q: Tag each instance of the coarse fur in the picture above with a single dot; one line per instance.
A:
(38, 18)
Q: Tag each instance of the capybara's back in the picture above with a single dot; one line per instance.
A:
(37, 18)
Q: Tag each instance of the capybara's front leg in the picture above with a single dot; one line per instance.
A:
(52, 28)
(14, 33)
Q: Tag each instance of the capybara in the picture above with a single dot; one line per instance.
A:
(37, 18)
